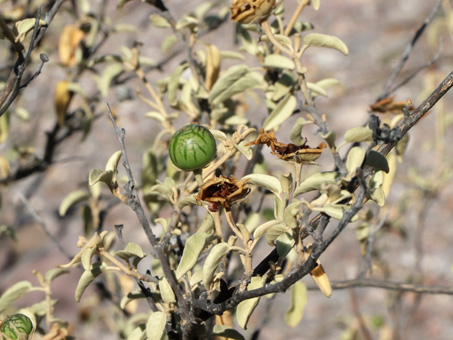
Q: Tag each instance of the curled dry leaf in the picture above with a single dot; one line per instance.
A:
(289, 152)
(388, 105)
(224, 191)
(251, 11)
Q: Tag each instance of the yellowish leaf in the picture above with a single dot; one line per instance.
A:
(62, 99)
(70, 38)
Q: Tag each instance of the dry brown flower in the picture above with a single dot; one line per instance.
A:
(224, 191)
(251, 11)
(289, 152)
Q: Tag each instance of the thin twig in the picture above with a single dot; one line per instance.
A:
(387, 285)
(369, 247)
(44, 226)
(420, 111)
(355, 307)
(293, 276)
(417, 71)
(13, 87)
(135, 203)
(398, 67)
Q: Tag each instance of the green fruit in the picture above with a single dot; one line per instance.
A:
(16, 327)
(192, 147)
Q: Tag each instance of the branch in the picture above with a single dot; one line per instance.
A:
(411, 119)
(201, 306)
(13, 85)
(404, 58)
(388, 285)
(133, 201)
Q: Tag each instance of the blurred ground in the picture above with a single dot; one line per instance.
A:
(376, 33)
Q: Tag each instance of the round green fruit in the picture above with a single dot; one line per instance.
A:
(16, 327)
(192, 147)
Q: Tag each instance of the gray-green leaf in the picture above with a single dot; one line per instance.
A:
(194, 246)
(155, 326)
(324, 40)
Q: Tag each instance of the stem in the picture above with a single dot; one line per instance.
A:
(267, 30)
(198, 176)
(247, 257)
(295, 16)
(218, 225)
(298, 167)
(233, 225)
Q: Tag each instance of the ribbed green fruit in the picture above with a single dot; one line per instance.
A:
(192, 147)
(16, 327)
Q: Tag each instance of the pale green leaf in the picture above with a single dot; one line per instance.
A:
(268, 182)
(187, 21)
(212, 262)
(315, 4)
(98, 175)
(173, 84)
(327, 83)
(13, 293)
(378, 196)
(324, 40)
(52, 274)
(138, 333)
(131, 251)
(192, 251)
(155, 326)
(164, 190)
(159, 21)
(274, 233)
(134, 295)
(231, 55)
(282, 39)
(72, 199)
(86, 256)
(298, 301)
(336, 211)
(358, 134)
(290, 214)
(314, 182)
(252, 221)
(281, 113)
(246, 308)
(108, 74)
(188, 200)
(318, 90)
(22, 27)
(113, 161)
(296, 131)
(278, 61)
(155, 115)
(243, 149)
(235, 120)
(87, 277)
(355, 159)
(167, 294)
(233, 81)
(262, 229)
(196, 278)
(283, 86)
(168, 42)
